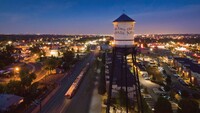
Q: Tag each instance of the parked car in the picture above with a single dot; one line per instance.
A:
(158, 91)
(182, 82)
(146, 96)
(176, 75)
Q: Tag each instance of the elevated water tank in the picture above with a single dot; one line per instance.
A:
(124, 31)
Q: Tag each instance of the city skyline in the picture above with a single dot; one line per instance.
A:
(95, 17)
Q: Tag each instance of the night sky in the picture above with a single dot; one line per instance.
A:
(96, 16)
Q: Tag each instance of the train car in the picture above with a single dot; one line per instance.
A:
(71, 91)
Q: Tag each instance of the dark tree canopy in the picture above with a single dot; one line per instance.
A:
(163, 106)
(6, 57)
(35, 49)
(184, 94)
(68, 59)
(188, 106)
(26, 78)
(51, 63)
(14, 87)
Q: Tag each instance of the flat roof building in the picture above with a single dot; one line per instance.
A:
(9, 100)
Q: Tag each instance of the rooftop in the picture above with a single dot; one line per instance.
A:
(124, 18)
(7, 100)
(193, 66)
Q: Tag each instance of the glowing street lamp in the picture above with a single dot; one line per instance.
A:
(192, 80)
(17, 69)
(9, 42)
(112, 43)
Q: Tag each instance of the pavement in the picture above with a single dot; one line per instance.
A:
(95, 106)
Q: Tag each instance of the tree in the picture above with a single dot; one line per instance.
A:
(26, 78)
(167, 88)
(2, 88)
(68, 59)
(163, 106)
(184, 94)
(32, 90)
(172, 94)
(51, 63)
(196, 95)
(10, 48)
(6, 58)
(42, 53)
(188, 106)
(35, 49)
(14, 87)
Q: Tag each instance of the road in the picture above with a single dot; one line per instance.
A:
(81, 100)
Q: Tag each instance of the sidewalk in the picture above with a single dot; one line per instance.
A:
(95, 106)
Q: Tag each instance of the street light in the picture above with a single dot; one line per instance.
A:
(192, 80)
(17, 69)
(9, 42)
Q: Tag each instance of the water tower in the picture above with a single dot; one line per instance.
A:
(123, 31)
(123, 46)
